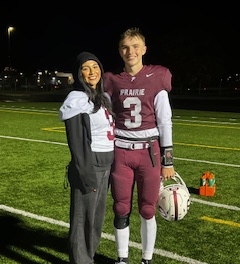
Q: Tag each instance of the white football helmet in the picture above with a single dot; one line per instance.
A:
(174, 199)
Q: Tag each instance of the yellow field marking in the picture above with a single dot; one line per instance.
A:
(54, 129)
(204, 146)
(219, 221)
(200, 125)
(29, 113)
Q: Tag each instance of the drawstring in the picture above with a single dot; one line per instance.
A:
(66, 182)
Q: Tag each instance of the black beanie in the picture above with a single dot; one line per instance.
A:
(81, 58)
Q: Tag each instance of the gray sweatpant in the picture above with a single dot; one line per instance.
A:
(87, 213)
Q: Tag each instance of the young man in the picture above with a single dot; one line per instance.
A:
(143, 141)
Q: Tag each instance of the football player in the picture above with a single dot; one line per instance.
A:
(143, 141)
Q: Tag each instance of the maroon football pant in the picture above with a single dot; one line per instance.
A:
(135, 166)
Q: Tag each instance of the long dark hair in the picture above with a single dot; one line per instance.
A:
(98, 97)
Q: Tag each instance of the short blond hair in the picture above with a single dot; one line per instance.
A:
(131, 33)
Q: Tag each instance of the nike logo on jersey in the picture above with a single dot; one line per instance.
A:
(150, 74)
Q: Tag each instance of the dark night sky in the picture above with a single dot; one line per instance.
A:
(49, 37)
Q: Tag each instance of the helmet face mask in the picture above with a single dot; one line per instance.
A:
(174, 200)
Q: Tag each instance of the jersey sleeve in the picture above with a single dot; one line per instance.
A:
(75, 103)
(167, 81)
(164, 118)
(107, 83)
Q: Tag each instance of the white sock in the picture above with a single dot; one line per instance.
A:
(122, 241)
(148, 236)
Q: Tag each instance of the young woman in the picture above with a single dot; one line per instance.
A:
(89, 124)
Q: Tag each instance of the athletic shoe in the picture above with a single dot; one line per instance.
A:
(122, 261)
(144, 261)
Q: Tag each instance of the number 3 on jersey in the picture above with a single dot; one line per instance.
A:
(134, 113)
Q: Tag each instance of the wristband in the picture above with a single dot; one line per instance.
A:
(167, 156)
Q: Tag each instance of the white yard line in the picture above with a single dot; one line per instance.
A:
(34, 140)
(110, 237)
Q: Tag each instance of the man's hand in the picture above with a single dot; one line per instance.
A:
(167, 173)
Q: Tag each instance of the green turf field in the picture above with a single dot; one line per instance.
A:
(34, 205)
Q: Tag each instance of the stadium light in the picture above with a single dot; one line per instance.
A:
(9, 30)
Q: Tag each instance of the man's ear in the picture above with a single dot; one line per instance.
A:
(144, 50)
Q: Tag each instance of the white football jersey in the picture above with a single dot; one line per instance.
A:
(102, 125)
